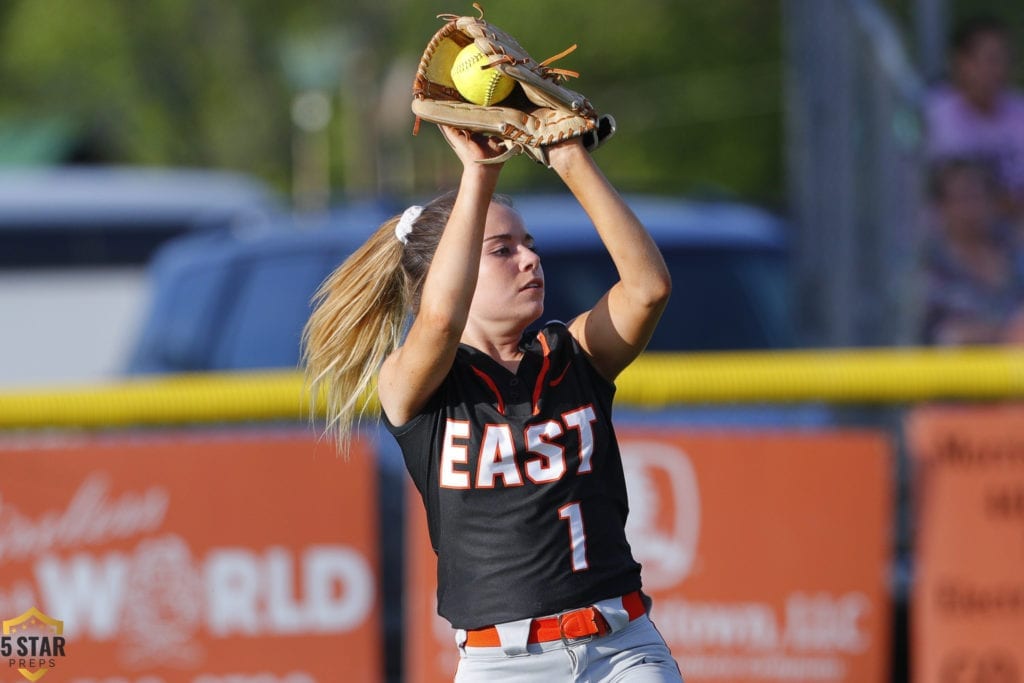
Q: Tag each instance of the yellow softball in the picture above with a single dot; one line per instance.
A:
(484, 86)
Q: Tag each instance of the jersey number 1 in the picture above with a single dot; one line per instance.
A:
(577, 535)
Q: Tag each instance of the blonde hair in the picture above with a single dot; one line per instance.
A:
(359, 312)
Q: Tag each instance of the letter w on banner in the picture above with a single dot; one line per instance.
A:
(249, 553)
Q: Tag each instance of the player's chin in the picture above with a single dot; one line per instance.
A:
(537, 312)
(529, 313)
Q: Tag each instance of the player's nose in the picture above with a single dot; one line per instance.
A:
(530, 260)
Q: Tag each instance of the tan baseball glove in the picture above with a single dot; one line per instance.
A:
(539, 111)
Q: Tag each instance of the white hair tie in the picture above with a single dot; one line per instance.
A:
(405, 223)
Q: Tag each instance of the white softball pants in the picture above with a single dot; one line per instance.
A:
(634, 653)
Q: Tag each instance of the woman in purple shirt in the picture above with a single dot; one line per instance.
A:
(977, 114)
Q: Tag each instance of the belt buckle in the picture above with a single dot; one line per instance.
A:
(586, 619)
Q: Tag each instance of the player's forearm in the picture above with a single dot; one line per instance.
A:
(642, 271)
(451, 279)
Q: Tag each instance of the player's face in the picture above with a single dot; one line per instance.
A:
(510, 285)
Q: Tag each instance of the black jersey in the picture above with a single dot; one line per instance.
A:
(522, 482)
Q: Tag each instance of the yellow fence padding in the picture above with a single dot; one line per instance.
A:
(194, 398)
(834, 376)
(655, 380)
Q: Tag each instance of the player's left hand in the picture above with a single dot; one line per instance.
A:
(562, 155)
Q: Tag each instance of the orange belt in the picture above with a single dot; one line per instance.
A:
(573, 625)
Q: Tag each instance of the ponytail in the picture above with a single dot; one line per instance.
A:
(360, 311)
(356, 322)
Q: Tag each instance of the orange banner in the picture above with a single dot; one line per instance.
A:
(968, 619)
(767, 556)
(193, 557)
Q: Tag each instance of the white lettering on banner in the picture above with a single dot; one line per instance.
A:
(262, 677)
(338, 584)
(18, 598)
(336, 567)
(163, 606)
(89, 518)
(763, 667)
(748, 626)
(664, 521)
(287, 613)
(234, 591)
(86, 591)
(820, 623)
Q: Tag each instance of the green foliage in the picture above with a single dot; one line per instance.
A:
(696, 87)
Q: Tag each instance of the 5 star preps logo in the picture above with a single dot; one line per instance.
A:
(33, 643)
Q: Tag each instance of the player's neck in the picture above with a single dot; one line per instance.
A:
(503, 348)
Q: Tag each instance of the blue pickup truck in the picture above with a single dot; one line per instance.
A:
(238, 301)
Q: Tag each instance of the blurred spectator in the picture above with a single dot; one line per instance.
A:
(975, 271)
(978, 114)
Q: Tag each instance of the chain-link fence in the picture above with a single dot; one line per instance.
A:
(853, 140)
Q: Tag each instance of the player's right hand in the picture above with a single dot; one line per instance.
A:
(472, 148)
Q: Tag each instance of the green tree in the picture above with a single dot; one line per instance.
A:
(696, 87)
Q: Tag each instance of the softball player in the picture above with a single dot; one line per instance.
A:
(507, 434)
